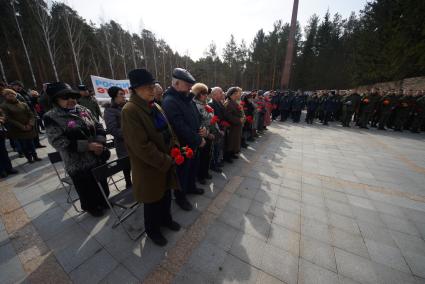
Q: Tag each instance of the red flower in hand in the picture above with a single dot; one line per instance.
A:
(189, 153)
(214, 120)
(179, 160)
(209, 109)
(224, 124)
(175, 152)
(249, 119)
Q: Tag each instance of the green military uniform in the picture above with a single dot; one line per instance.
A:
(418, 114)
(368, 105)
(386, 105)
(350, 103)
(402, 112)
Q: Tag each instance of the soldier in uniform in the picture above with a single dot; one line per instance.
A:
(312, 105)
(298, 104)
(402, 111)
(368, 103)
(350, 103)
(285, 106)
(418, 113)
(386, 104)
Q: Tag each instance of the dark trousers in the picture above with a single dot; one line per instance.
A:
(157, 214)
(187, 173)
(383, 119)
(5, 164)
(216, 153)
(205, 154)
(346, 117)
(89, 192)
(310, 116)
(296, 114)
(284, 114)
(364, 119)
(326, 117)
(27, 147)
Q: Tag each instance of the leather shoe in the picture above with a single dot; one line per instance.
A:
(173, 226)
(158, 239)
(40, 146)
(184, 204)
(217, 170)
(12, 172)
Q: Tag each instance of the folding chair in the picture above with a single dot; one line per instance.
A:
(64, 179)
(123, 199)
(111, 181)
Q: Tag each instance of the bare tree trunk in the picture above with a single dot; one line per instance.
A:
(108, 49)
(144, 51)
(75, 41)
(154, 60)
(123, 56)
(12, 4)
(96, 67)
(133, 53)
(163, 68)
(49, 32)
(3, 74)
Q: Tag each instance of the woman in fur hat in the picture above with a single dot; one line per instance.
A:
(80, 139)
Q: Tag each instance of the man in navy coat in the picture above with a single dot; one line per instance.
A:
(185, 121)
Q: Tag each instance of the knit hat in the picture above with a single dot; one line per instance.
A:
(113, 91)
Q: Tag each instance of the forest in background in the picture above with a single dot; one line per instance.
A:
(383, 42)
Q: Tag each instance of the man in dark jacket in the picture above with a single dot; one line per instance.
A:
(350, 103)
(312, 105)
(298, 104)
(285, 106)
(184, 119)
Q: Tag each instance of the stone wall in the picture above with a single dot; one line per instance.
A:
(415, 83)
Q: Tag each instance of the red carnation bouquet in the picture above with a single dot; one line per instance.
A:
(224, 124)
(249, 119)
(178, 154)
(209, 109)
(214, 120)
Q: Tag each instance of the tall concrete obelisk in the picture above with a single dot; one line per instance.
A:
(287, 65)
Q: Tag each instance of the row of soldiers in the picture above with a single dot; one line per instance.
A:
(385, 109)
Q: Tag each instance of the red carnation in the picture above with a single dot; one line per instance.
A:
(224, 124)
(242, 103)
(274, 106)
(179, 160)
(209, 109)
(189, 153)
(214, 120)
(175, 152)
(249, 119)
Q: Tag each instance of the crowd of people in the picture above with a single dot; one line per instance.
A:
(385, 109)
(173, 139)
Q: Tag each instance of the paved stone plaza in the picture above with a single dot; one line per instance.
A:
(304, 204)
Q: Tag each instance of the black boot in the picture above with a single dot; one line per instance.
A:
(184, 204)
(157, 238)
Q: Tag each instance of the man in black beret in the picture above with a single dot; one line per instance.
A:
(184, 118)
(89, 102)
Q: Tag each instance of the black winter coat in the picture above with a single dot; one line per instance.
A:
(183, 117)
(112, 116)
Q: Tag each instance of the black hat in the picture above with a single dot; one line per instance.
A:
(184, 75)
(140, 77)
(58, 89)
(82, 88)
(113, 91)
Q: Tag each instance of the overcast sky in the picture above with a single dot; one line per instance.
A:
(190, 26)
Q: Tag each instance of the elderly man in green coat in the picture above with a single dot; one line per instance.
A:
(149, 139)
